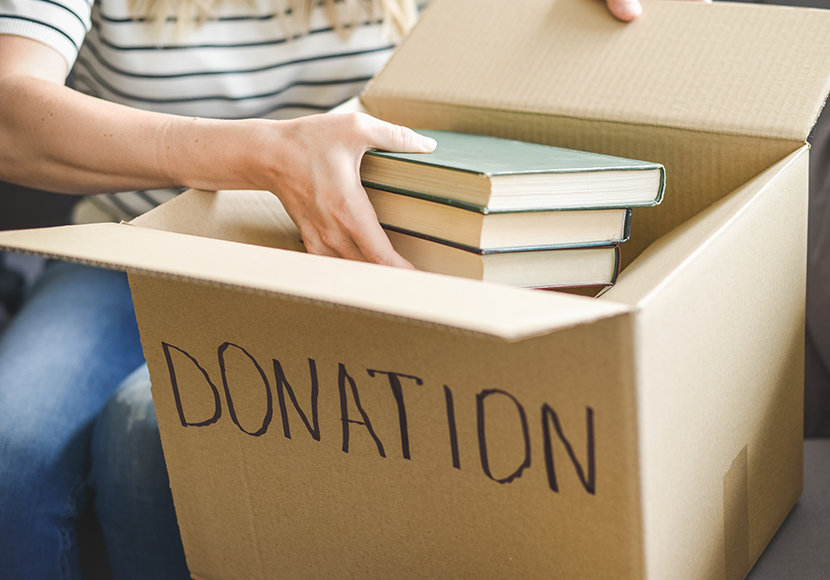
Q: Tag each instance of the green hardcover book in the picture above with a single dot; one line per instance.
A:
(499, 231)
(540, 268)
(490, 175)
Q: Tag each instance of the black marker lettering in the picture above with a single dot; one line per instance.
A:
(176, 395)
(482, 435)
(397, 391)
(589, 483)
(456, 461)
(269, 409)
(281, 380)
(343, 376)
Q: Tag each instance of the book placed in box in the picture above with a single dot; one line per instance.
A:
(532, 268)
(488, 174)
(499, 230)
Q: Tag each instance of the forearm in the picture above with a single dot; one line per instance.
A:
(54, 138)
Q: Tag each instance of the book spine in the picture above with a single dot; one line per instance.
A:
(602, 165)
(617, 263)
(504, 250)
(662, 188)
(486, 210)
(429, 197)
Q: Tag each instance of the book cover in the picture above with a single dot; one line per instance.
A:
(464, 161)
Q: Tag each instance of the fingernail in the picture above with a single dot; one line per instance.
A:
(629, 10)
(428, 143)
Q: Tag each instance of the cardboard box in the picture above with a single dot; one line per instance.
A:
(468, 430)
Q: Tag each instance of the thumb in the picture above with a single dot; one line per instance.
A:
(625, 10)
(389, 137)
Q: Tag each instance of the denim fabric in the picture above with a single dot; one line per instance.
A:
(132, 491)
(61, 360)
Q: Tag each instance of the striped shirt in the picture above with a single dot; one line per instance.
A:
(238, 65)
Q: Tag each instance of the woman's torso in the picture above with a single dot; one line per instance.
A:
(239, 65)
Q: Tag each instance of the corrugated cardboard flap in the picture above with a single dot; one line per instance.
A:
(499, 311)
(671, 254)
(724, 68)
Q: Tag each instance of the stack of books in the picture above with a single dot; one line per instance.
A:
(508, 211)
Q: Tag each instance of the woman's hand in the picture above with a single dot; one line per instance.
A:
(313, 165)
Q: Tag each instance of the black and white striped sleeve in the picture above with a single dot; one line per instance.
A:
(60, 24)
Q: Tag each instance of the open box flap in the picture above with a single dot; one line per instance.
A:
(656, 267)
(248, 217)
(717, 93)
(724, 68)
(466, 305)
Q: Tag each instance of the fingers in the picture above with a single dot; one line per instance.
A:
(377, 249)
(318, 182)
(625, 10)
(628, 10)
(345, 225)
(361, 239)
(367, 235)
(389, 137)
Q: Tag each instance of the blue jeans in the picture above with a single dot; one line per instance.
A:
(76, 425)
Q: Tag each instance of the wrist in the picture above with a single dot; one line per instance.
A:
(264, 160)
(213, 154)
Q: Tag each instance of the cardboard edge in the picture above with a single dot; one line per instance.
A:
(31, 242)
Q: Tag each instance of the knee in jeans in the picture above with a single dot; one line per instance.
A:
(27, 471)
(40, 492)
(126, 448)
(34, 461)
